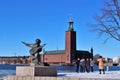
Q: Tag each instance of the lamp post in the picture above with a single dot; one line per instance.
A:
(44, 52)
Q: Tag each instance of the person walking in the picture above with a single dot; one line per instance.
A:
(82, 65)
(77, 65)
(101, 65)
(87, 65)
(91, 65)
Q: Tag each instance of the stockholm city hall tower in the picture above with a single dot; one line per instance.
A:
(70, 42)
(70, 54)
(70, 46)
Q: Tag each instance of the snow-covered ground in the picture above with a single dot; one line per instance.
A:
(107, 75)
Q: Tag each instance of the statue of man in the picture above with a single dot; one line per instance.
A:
(34, 51)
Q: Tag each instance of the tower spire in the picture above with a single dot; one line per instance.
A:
(91, 50)
(70, 25)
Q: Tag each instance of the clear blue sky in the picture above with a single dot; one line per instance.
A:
(26, 20)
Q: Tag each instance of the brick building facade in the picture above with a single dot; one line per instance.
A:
(70, 54)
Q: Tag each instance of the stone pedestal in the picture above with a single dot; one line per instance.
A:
(36, 71)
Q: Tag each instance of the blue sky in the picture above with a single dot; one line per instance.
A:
(26, 20)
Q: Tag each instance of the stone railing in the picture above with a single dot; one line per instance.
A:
(49, 78)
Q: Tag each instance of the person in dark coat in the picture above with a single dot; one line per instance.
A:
(91, 65)
(77, 65)
(87, 65)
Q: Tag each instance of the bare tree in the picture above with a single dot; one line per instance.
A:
(108, 23)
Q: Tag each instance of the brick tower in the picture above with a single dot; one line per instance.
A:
(70, 43)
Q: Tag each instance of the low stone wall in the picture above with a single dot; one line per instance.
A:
(49, 78)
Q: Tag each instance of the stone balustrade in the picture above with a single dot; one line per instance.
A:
(50, 78)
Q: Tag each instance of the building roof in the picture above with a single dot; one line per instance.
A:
(82, 51)
(63, 51)
(55, 52)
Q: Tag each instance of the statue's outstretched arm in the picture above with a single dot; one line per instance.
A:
(30, 45)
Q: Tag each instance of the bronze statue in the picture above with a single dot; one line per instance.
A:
(34, 51)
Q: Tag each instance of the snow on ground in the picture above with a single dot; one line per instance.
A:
(107, 75)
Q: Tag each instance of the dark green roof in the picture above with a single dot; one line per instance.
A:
(55, 52)
(82, 51)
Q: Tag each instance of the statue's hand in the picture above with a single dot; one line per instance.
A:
(44, 44)
(22, 42)
(29, 45)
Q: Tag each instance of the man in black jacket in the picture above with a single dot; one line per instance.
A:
(77, 65)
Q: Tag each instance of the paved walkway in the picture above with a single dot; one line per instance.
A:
(108, 75)
(112, 75)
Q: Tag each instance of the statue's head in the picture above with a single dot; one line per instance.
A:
(38, 41)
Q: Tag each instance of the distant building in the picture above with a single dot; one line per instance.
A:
(116, 60)
(15, 60)
(70, 54)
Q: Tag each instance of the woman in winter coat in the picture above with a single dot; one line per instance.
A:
(101, 65)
